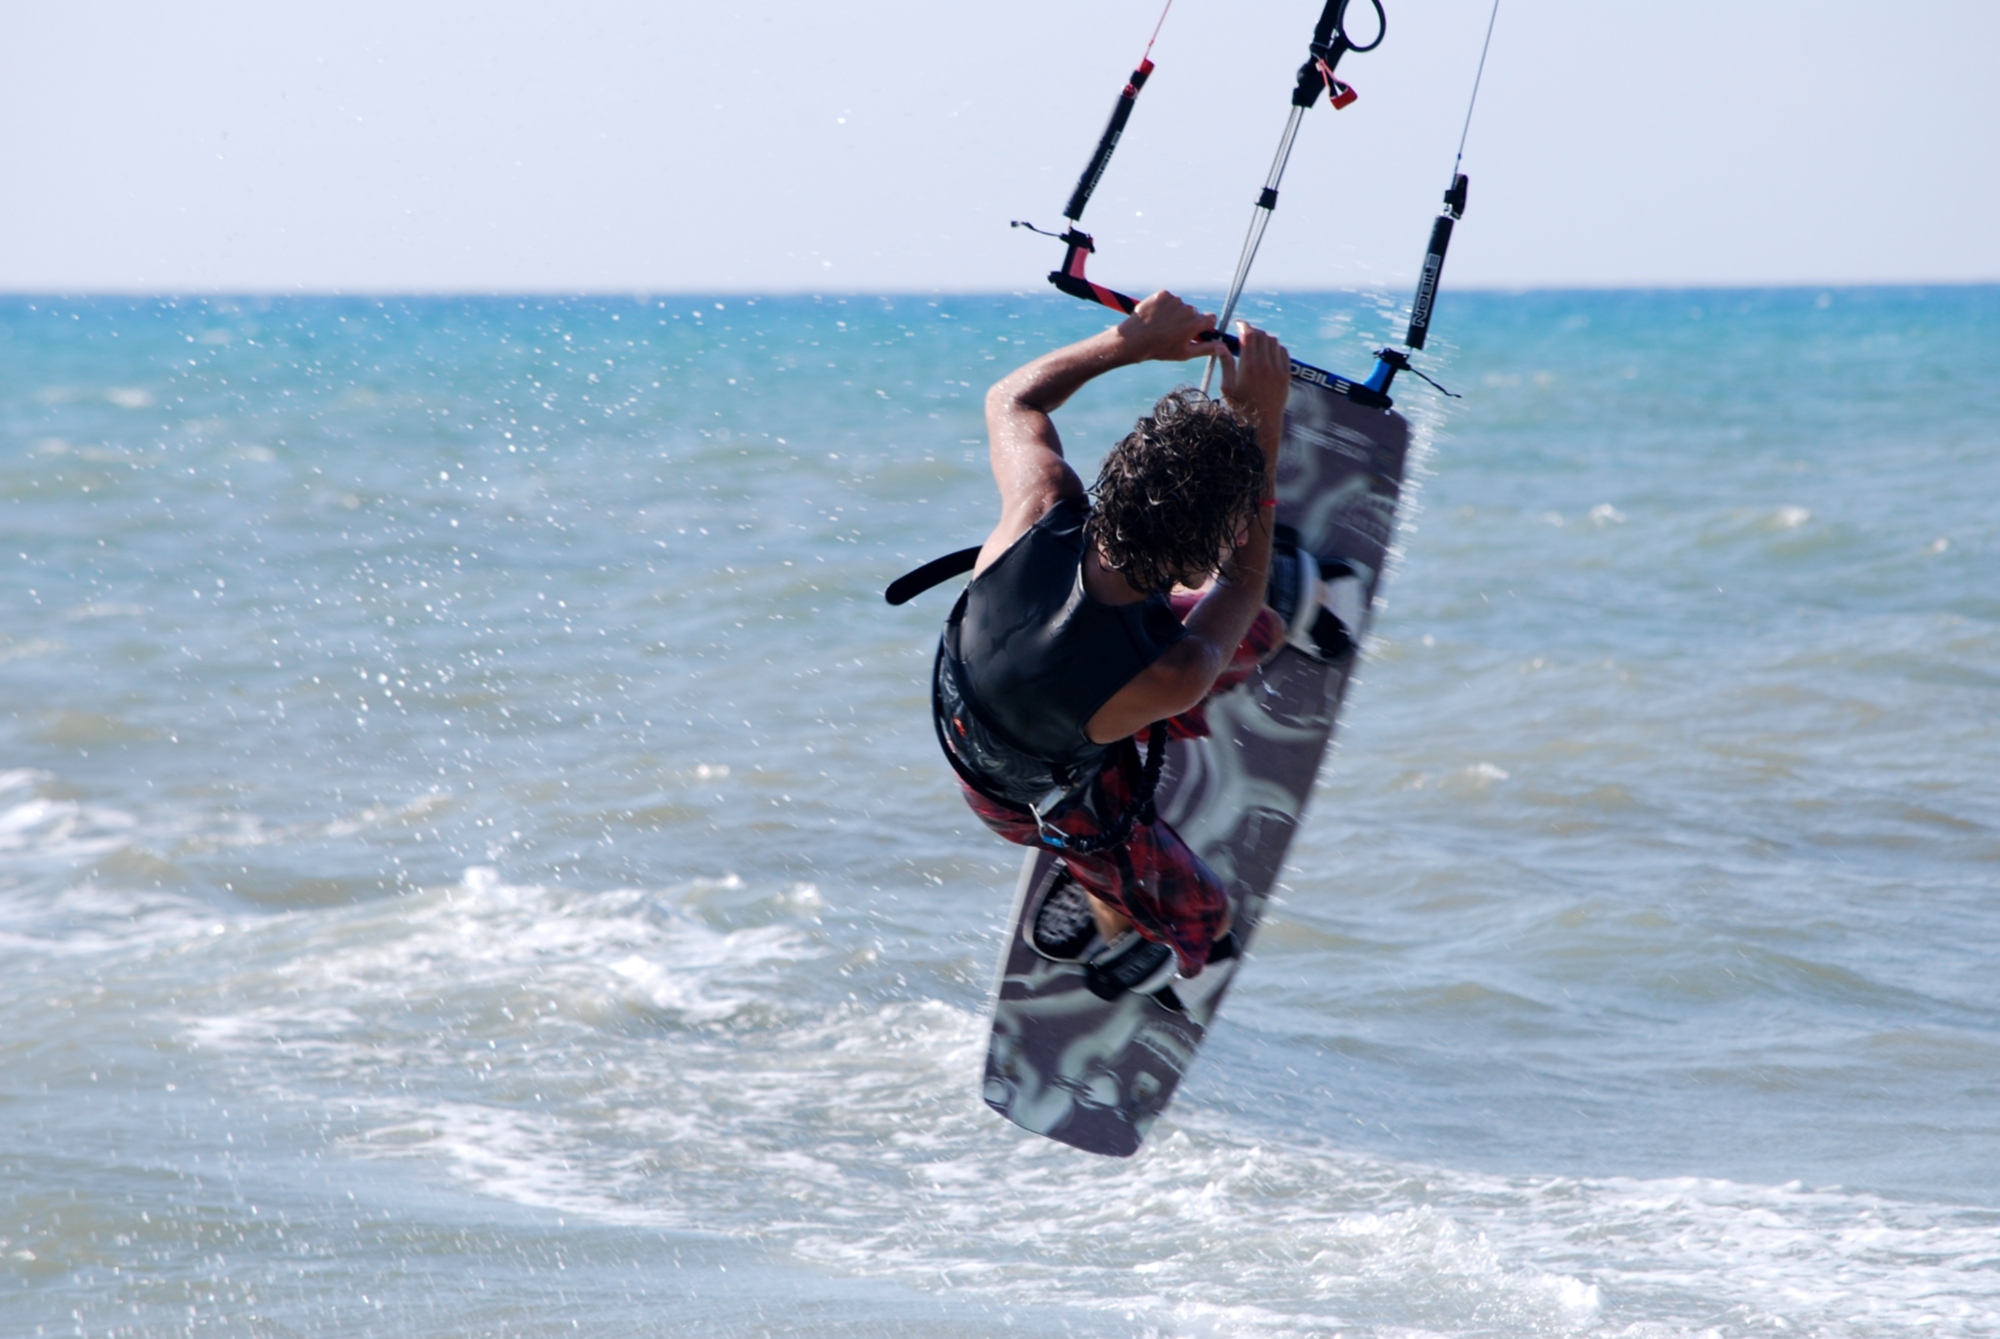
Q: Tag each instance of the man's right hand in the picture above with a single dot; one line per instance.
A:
(1257, 382)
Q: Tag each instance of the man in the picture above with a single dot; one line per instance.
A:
(1095, 615)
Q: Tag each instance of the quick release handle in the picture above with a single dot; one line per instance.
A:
(1329, 43)
(1427, 283)
(1121, 112)
(1314, 74)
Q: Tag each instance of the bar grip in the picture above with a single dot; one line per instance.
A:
(1078, 287)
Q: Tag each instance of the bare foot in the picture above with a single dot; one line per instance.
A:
(1110, 921)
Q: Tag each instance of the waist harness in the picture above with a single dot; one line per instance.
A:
(1027, 657)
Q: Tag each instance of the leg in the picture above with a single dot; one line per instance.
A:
(1154, 883)
(1111, 922)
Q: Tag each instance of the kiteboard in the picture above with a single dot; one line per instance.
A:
(1096, 1073)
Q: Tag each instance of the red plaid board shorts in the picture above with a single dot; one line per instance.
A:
(1154, 879)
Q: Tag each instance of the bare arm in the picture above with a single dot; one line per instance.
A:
(1027, 455)
(1256, 386)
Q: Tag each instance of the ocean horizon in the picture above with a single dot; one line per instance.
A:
(1396, 289)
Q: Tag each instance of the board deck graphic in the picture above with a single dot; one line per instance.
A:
(1096, 1073)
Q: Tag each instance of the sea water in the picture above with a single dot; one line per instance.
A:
(474, 861)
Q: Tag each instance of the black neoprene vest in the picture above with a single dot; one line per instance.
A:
(1028, 657)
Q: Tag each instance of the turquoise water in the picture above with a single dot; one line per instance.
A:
(473, 860)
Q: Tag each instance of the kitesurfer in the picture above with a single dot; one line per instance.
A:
(1096, 617)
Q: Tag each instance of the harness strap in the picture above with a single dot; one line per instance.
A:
(1138, 810)
(936, 572)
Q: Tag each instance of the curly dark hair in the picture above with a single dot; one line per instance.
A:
(1176, 492)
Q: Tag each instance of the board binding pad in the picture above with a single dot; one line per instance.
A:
(1096, 1073)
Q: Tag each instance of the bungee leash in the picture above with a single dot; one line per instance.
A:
(1070, 278)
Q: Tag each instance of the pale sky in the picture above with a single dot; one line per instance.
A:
(883, 145)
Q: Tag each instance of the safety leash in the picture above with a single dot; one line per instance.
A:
(1388, 362)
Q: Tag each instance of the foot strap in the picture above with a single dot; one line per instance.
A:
(1129, 963)
(1062, 926)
